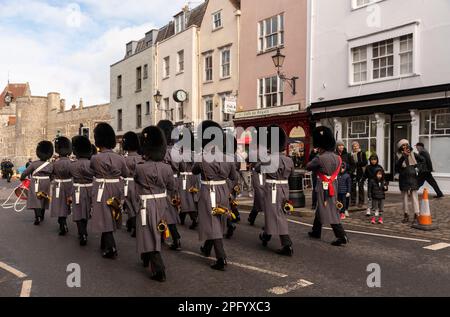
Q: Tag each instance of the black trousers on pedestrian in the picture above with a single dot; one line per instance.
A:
(429, 178)
(338, 229)
(107, 241)
(82, 227)
(218, 248)
(174, 232)
(284, 239)
(358, 183)
(156, 261)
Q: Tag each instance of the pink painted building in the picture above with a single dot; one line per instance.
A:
(264, 98)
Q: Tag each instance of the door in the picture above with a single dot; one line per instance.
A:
(402, 130)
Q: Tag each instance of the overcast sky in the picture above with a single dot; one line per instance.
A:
(68, 46)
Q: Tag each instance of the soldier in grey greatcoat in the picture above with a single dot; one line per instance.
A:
(62, 184)
(83, 177)
(276, 191)
(39, 173)
(131, 145)
(214, 192)
(257, 178)
(108, 167)
(154, 180)
(173, 212)
(326, 166)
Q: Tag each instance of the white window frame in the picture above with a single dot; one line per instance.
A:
(215, 20)
(222, 65)
(262, 94)
(166, 66)
(263, 35)
(180, 61)
(180, 23)
(359, 63)
(409, 52)
(209, 101)
(207, 68)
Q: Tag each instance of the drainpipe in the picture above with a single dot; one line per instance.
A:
(238, 27)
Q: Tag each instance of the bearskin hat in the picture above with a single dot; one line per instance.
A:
(167, 127)
(205, 125)
(94, 150)
(282, 137)
(130, 142)
(105, 136)
(323, 138)
(82, 147)
(44, 150)
(154, 144)
(63, 146)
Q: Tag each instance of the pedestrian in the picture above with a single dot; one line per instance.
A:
(173, 212)
(154, 179)
(8, 170)
(341, 150)
(408, 167)
(358, 163)
(107, 192)
(39, 171)
(83, 177)
(369, 174)
(327, 166)
(131, 146)
(276, 189)
(314, 153)
(214, 192)
(60, 206)
(427, 170)
(377, 189)
(344, 190)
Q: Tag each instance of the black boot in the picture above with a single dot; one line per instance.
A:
(176, 245)
(37, 221)
(145, 259)
(83, 240)
(159, 277)
(193, 225)
(133, 232)
(313, 235)
(63, 229)
(129, 225)
(340, 242)
(205, 252)
(183, 218)
(110, 254)
(219, 265)
(286, 251)
(230, 231)
(264, 241)
(405, 218)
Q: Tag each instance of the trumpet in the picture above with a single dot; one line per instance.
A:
(339, 205)
(237, 190)
(220, 210)
(288, 207)
(43, 196)
(163, 228)
(176, 201)
(234, 203)
(116, 208)
(194, 190)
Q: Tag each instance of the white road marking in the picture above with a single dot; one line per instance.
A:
(437, 246)
(244, 266)
(12, 270)
(26, 288)
(282, 290)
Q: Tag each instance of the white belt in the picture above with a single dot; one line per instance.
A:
(102, 182)
(214, 183)
(41, 177)
(77, 191)
(58, 185)
(144, 199)
(186, 173)
(175, 176)
(274, 184)
(212, 190)
(127, 183)
(63, 180)
(38, 179)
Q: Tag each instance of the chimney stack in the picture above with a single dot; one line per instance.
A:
(81, 104)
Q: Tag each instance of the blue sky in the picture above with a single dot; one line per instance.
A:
(67, 46)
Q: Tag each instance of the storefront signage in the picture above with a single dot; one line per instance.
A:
(229, 106)
(268, 111)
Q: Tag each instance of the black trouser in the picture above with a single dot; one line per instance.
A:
(107, 242)
(156, 261)
(253, 214)
(338, 229)
(82, 227)
(428, 177)
(314, 193)
(174, 232)
(192, 215)
(62, 221)
(218, 248)
(358, 182)
(39, 213)
(284, 239)
(9, 174)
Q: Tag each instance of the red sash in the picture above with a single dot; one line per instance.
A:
(330, 180)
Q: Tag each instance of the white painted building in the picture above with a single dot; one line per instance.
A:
(379, 72)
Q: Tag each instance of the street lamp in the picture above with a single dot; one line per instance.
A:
(278, 61)
(158, 98)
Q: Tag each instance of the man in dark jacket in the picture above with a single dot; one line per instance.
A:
(8, 168)
(358, 162)
(341, 150)
(427, 170)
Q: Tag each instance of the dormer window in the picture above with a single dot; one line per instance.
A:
(129, 49)
(180, 23)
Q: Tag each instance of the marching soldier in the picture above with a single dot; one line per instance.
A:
(39, 172)
(130, 145)
(82, 185)
(230, 146)
(107, 192)
(154, 179)
(62, 184)
(257, 181)
(276, 192)
(172, 215)
(214, 194)
(327, 166)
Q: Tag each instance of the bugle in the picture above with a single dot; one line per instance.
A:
(116, 208)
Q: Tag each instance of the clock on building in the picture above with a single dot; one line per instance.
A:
(8, 98)
(180, 96)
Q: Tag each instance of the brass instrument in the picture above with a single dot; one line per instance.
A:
(176, 202)
(339, 205)
(234, 203)
(163, 228)
(194, 190)
(116, 208)
(288, 208)
(237, 190)
(69, 201)
(220, 210)
(43, 196)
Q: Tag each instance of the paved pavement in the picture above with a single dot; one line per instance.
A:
(316, 269)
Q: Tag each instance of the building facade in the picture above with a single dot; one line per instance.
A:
(132, 82)
(379, 73)
(265, 98)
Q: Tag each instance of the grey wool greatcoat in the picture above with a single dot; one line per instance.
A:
(188, 200)
(258, 189)
(131, 204)
(276, 223)
(111, 166)
(81, 173)
(44, 184)
(213, 227)
(59, 206)
(152, 178)
(326, 163)
(172, 215)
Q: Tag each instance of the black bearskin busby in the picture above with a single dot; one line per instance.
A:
(205, 125)
(282, 138)
(130, 142)
(154, 144)
(167, 127)
(82, 147)
(323, 138)
(94, 150)
(104, 136)
(45, 150)
(63, 146)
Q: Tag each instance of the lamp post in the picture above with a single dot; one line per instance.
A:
(278, 61)
(158, 98)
